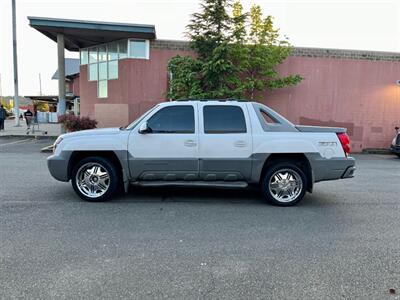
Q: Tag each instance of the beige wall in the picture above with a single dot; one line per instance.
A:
(111, 115)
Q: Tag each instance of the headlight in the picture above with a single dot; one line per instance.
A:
(58, 140)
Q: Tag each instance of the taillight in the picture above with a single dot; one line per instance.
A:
(345, 141)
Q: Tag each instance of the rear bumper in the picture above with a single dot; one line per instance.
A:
(349, 173)
(333, 168)
(395, 148)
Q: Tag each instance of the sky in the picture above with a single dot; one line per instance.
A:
(345, 24)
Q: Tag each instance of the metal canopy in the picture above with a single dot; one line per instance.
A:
(50, 99)
(81, 34)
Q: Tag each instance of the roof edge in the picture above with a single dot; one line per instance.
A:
(92, 22)
(299, 51)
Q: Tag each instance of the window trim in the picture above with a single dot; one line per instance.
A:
(174, 132)
(224, 132)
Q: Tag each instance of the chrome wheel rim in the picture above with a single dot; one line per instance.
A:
(92, 180)
(285, 185)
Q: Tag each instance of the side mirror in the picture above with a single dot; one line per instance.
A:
(144, 128)
(397, 128)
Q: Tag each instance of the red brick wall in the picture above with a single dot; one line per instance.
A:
(74, 85)
(360, 95)
(353, 89)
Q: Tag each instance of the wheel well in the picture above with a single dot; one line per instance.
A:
(299, 159)
(79, 155)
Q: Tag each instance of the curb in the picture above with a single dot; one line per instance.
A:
(47, 149)
(36, 137)
(376, 151)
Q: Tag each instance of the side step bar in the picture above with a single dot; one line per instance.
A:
(221, 184)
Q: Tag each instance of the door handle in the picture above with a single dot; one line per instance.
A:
(240, 144)
(190, 143)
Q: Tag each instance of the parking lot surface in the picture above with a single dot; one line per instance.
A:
(341, 242)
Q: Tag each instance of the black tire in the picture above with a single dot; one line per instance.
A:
(106, 164)
(296, 173)
(398, 155)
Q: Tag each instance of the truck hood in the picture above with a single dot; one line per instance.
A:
(100, 131)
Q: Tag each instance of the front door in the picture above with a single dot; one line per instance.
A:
(225, 143)
(169, 151)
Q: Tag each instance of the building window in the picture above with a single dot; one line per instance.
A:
(92, 55)
(113, 51)
(102, 89)
(102, 61)
(102, 53)
(123, 49)
(93, 72)
(84, 56)
(139, 49)
(113, 69)
(103, 74)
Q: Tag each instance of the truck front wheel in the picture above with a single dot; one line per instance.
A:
(284, 184)
(94, 179)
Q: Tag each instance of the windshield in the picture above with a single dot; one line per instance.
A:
(134, 123)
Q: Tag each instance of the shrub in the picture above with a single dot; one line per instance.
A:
(73, 123)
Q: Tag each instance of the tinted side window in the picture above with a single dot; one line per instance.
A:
(223, 119)
(173, 119)
(267, 118)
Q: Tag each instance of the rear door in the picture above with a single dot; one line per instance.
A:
(225, 143)
(170, 150)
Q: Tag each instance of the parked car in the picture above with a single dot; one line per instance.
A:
(395, 146)
(229, 144)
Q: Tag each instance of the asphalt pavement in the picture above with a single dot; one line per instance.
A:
(341, 242)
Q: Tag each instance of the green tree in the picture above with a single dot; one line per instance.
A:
(265, 51)
(237, 55)
(211, 74)
(208, 28)
(209, 34)
(186, 78)
(239, 19)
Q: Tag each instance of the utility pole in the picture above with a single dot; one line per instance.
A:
(40, 85)
(61, 77)
(61, 74)
(16, 98)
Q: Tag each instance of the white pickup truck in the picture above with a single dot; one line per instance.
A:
(227, 143)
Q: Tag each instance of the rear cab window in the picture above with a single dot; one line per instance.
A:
(223, 119)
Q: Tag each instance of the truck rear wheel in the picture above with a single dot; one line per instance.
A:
(94, 179)
(284, 184)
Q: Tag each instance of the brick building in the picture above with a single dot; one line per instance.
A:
(123, 72)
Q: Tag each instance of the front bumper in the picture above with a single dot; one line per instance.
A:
(58, 166)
